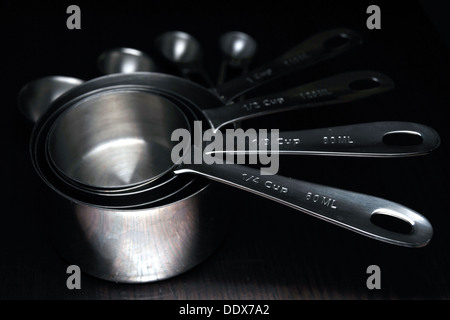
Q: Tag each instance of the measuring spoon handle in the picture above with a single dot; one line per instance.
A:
(384, 139)
(340, 88)
(320, 47)
(354, 211)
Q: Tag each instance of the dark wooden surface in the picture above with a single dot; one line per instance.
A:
(270, 252)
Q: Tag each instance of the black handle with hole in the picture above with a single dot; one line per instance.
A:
(318, 48)
(340, 88)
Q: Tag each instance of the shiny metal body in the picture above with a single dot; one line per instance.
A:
(123, 240)
(35, 97)
(238, 49)
(125, 60)
(144, 244)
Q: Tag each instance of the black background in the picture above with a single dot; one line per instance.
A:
(270, 252)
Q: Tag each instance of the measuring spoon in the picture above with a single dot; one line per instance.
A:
(238, 49)
(184, 51)
(318, 48)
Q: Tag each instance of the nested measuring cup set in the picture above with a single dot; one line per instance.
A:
(125, 212)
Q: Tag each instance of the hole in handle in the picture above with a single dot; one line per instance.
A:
(336, 42)
(364, 84)
(402, 138)
(390, 221)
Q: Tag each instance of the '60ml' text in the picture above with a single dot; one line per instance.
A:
(320, 199)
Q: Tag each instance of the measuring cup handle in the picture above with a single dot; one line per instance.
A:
(320, 47)
(354, 211)
(374, 139)
(344, 87)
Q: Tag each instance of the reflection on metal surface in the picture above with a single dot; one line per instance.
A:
(140, 245)
(36, 97)
(125, 60)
